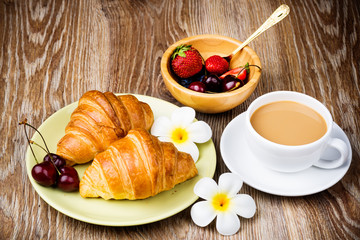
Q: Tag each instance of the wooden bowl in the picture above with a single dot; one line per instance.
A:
(209, 45)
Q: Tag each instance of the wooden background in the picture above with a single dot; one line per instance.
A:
(51, 52)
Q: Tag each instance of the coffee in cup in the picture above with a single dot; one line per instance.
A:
(288, 132)
(288, 123)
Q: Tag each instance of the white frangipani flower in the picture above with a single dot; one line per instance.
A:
(222, 201)
(182, 131)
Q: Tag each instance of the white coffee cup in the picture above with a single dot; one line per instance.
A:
(285, 158)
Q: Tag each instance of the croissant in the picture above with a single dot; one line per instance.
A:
(137, 166)
(99, 120)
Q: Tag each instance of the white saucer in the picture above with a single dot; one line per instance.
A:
(240, 160)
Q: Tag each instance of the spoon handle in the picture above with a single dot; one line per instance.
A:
(279, 14)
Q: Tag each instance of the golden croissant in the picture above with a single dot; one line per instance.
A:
(99, 120)
(137, 166)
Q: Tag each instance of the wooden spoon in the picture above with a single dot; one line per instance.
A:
(279, 14)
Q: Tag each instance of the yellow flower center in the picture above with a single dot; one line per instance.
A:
(179, 135)
(221, 202)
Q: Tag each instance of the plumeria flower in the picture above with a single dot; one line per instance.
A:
(182, 131)
(222, 201)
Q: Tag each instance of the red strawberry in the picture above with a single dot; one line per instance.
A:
(239, 72)
(216, 65)
(234, 71)
(242, 75)
(186, 61)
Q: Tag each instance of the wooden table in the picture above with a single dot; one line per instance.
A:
(51, 52)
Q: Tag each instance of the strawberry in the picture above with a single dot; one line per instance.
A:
(244, 72)
(186, 61)
(234, 71)
(239, 72)
(242, 75)
(216, 65)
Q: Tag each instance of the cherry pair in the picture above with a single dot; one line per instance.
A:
(53, 170)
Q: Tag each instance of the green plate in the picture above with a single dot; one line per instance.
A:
(117, 212)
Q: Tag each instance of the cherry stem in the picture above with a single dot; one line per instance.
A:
(25, 123)
(32, 142)
(48, 153)
(245, 67)
(27, 137)
(254, 66)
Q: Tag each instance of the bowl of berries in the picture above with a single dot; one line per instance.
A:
(203, 73)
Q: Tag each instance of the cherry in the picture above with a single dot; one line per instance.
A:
(231, 80)
(44, 173)
(56, 159)
(52, 170)
(68, 170)
(197, 86)
(212, 83)
(69, 179)
(68, 182)
(230, 83)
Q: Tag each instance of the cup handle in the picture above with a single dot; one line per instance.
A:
(339, 145)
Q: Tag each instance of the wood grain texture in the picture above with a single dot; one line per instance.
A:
(51, 52)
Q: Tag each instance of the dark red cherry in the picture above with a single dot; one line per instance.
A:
(197, 87)
(59, 161)
(68, 170)
(44, 173)
(69, 179)
(230, 83)
(68, 183)
(212, 83)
